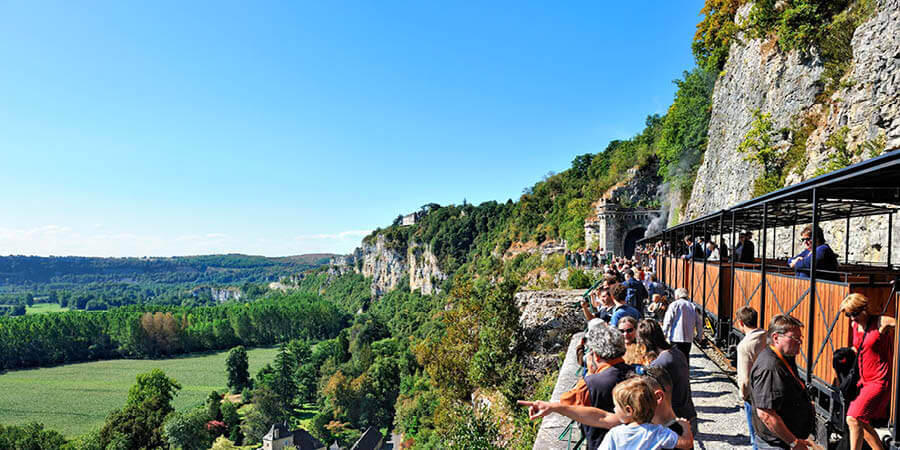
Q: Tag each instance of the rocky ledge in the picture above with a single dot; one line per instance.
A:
(548, 318)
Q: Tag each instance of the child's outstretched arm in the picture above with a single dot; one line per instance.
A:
(686, 440)
(592, 417)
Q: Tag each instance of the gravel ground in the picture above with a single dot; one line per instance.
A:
(723, 423)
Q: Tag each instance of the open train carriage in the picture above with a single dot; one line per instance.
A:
(870, 188)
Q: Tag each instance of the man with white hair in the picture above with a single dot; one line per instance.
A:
(682, 322)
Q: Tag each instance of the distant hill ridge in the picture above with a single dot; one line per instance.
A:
(17, 269)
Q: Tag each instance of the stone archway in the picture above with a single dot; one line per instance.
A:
(631, 239)
(612, 226)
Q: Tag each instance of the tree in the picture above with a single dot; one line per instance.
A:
(236, 366)
(230, 414)
(139, 423)
(267, 409)
(29, 299)
(223, 443)
(306, 378)
(31, 436)
(151, 385)
(187, 430)
(213, 402)
(18, 310)
(282, 381)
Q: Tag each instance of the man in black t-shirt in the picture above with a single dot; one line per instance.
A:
(784, 416)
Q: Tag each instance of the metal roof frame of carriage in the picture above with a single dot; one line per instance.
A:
(869, 188)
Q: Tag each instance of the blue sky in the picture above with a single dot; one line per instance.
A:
(278, 128)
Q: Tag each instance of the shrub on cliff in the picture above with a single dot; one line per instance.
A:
(579, 280)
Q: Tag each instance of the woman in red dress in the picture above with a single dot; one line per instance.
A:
(872, 341)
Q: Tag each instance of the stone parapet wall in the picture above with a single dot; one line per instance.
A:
(553, 425)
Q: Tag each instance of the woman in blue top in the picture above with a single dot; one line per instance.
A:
(826, 260)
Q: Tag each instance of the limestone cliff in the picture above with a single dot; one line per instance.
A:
(224, 294)
(425, 275)
(549, 318)
(389, 267)
(789, 86)
(384, 265)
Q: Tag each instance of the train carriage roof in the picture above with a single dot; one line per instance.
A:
(868, 188)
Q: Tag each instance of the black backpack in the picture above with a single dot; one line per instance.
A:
(847, 370)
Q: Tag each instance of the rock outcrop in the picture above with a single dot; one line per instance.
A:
(425, 275)
(389, 267)
(549, 319)
(224, 294)
(384, 265)
(758, 76)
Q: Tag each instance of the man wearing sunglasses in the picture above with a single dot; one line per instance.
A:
(826, 259)
(784, 414)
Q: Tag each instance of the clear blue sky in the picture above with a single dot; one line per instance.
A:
(276, 128)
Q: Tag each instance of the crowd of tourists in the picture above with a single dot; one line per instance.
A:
(585, 258)
(704, 247)
(636, 391)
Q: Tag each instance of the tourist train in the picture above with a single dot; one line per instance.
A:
(767, 283)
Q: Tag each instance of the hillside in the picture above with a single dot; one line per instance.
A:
(232, 268)
(101, 283)
(780, 93)
(435, 326)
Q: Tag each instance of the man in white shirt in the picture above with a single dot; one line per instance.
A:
(682, 322)
(754, 341)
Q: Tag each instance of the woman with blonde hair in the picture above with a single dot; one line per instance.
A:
(872, 342)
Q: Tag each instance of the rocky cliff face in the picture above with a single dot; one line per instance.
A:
(222, 295)
(786, 85)
(385, 266)
(869, 103)
(756, 77)
(549, 319)
(425, 275)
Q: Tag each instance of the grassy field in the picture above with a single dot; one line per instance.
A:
(41, 308)
(76, 398)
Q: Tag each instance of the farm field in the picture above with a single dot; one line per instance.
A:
(75, 398)
(41, 308)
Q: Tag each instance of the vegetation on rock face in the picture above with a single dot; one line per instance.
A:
(758, 145)
(715, 33)
(824, 25)
(844, 154)
(579, 280)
